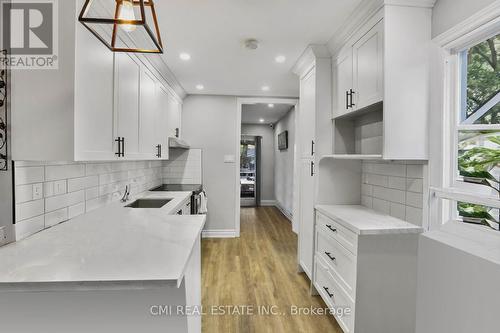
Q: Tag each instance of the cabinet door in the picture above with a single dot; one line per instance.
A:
(148, 116)
(173, 117)
(161, 124)
(94, 128)
(344, 83)
(306, 223)
(127, 78)
(368, 68)
(307, 114)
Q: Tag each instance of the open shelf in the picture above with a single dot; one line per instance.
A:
(354, 156)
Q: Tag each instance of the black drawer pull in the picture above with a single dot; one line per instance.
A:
(329, 255)
(328, 292)
(331, 228)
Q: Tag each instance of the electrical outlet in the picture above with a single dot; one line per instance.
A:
(3, 235)
(37, 191)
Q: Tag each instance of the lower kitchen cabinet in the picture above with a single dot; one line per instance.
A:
(365, 268)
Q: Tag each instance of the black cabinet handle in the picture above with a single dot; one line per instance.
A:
(331, 228)
(328, 292)
(119, 141)
(351, 104)
(158, 151)
(121, 147)
(312, 169)
(312, 148)
(329, 255)
(347, 100)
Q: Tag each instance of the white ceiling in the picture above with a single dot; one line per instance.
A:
(213, 31)
(253, 113)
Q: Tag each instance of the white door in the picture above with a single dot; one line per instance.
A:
(306, 224)
(94, 133)
(148, 116)
(368, 68)
(344, 84)
(307, 114)
(161, 123)
(127, 74)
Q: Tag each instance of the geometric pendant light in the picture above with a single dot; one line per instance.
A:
(123, 25)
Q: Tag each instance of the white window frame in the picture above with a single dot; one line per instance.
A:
(446, 185)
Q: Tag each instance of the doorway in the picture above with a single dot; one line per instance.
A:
(250, 170)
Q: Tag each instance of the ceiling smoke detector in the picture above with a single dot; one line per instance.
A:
(251, 44)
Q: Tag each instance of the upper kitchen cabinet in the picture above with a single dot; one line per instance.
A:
(380, 72)
(97, 105)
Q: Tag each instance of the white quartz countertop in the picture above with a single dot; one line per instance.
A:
(111, 244)
(366, 221)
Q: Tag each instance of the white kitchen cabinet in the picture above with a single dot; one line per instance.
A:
(365, 260)
(306, 223)
(344, 83)
(368, 74)
(390, 65)
(173, 117)
(314, 138)
(162, 121)
(128, 110)
(76, 112)
(149, 116)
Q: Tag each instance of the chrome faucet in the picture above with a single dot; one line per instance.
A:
(126, 194)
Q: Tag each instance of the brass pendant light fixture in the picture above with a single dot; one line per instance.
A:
(123, 25)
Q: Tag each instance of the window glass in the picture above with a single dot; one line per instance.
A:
(483, 83)
(478, 214)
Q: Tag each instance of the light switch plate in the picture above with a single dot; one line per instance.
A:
(229, 159)
(37, 191)
(60, 187)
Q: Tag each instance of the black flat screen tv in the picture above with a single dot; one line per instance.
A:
(283, 141)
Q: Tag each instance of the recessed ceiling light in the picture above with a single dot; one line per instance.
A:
(200, 87)
(265, 88)
(262, 120)
(270, 105)
(185, 56)
(280, 59)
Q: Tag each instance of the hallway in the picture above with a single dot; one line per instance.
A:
(259, 269)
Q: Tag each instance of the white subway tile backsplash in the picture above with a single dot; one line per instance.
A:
(29, 209)
(381, 205)
(65, 200)
(415, 171)
(29, 175)
(65, 190)
(184, 167)
(28, 227)
(394, 188)
(76, 210)
(414, 199)
(56, 217)
(24, 193)
(398, 183)
(56, 172)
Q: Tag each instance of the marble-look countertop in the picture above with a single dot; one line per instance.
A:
(112, 244)
(365, 221)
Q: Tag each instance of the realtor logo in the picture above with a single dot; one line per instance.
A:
(29, 32)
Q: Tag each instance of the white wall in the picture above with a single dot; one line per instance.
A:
(267, 158)
(448, 13)
(283, 164)
(209, 123)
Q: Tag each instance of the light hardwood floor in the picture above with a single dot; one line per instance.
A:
(259, 269)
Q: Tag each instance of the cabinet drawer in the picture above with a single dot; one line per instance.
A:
(341, 234)
(341, 262)
(333, 295)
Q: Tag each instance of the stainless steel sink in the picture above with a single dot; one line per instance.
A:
(149, 203)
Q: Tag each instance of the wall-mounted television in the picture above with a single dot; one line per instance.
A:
(283, 141)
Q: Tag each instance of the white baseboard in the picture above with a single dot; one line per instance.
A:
(282, 210)
(219, 234)
(266, 203)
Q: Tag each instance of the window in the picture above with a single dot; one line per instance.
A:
(477, 134)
